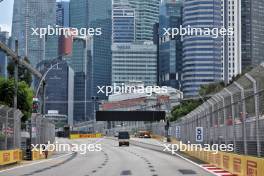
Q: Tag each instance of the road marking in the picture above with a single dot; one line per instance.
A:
(43, 161)
(198, 165)
(216, 170)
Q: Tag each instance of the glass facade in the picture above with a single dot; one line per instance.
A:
(29, 14)
(170, 49)
(4, 38)
(58, 90)
(134, 62)
(95, 14)
(79, 62)
(62, 13)
(202, 55)
(252, 23)
(123, 19)
(147, 14)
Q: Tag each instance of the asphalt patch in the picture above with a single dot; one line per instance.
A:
(187, 171)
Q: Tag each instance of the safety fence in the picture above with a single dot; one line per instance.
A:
(234, 115)
(43, 130)
(10, 135)
(10, 127)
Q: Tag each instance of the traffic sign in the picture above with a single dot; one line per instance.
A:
(199, 134)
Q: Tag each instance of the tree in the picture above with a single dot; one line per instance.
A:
(211, 88)
(24, 96)
(23, 73)
(184, 108)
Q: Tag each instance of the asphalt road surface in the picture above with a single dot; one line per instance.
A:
(111, 161)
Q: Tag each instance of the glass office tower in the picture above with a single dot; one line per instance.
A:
(170, 49)
(202, 54)
(123, 24)
(29, 14)
(252, 23)
(95, 14)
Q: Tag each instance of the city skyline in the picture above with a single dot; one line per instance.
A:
(81, 79)
(132, 45)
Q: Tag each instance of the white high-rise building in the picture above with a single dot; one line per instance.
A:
(232, 43)
(134, 62)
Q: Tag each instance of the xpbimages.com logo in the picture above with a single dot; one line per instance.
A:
(129, 89)
(194, 31)
(58, 147)
(181, 147)
(65, 31)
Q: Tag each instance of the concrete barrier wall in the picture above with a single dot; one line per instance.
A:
(78, 136)
(10, 156)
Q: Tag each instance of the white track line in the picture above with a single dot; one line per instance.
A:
(46, 160)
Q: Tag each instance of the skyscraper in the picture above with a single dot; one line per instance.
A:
(59, 90)
(170, 48)
(202, 54)
(80, 62)
(95, 14)
(147, 14)
(62, 13)
(232, 65)
(123, 27)
(4, 38)
(134, 62)
(28, 14)
(252, 23)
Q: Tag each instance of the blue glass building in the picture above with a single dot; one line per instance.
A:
(202, 55)
(4, 38)
(29, 14)
(59, 90)
(62, 13)
(123, 24)
(170, 49)
(94, 14)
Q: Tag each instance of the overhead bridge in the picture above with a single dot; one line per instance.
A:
(130, 115)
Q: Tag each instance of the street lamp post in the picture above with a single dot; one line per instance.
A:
(95, 99)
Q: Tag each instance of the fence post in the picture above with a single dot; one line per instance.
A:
(256, 99)
(212, 114)
(233, 117)
(207, 114)
(6, 127)
(243, 115)
(224, 112)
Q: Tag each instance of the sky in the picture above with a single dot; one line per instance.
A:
(6, 10)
